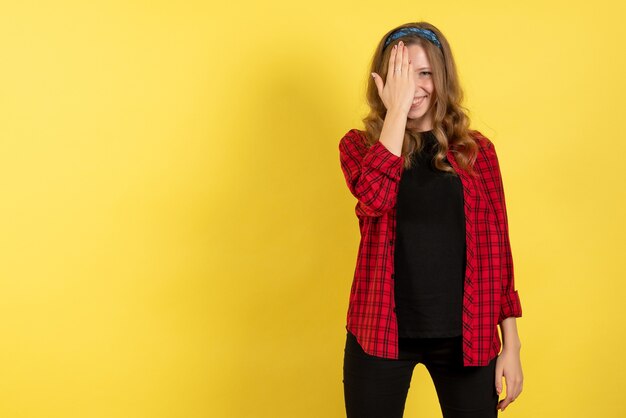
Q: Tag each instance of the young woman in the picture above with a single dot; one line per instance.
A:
(434, 274)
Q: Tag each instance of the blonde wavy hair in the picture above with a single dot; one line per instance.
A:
(450, 124)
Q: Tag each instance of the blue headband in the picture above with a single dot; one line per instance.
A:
(422, 33)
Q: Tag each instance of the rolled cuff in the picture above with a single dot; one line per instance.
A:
(380, 158)
(510, 305)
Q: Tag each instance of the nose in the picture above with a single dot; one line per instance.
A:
(419, 84)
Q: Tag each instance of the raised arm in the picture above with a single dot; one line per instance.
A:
(372, 174)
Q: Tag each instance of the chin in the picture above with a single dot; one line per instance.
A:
(417, 114)
(415, 117)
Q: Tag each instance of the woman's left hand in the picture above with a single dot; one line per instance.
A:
(509, 365)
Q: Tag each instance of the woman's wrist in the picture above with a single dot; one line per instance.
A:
(510, 337)
(512, 345)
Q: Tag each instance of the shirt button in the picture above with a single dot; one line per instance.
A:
(394, 308)
(390, 242)
(393, 276)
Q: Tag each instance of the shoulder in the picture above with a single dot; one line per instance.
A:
(354, 135)
(353, 139)
(486, 149)
(483, 142)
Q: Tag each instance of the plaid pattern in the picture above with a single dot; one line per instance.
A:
(373, 176)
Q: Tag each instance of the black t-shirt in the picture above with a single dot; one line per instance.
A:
(430, 249)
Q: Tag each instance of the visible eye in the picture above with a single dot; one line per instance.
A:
(426, 72)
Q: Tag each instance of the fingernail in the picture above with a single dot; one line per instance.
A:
(373, 76)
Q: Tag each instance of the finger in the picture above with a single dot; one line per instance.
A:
(392, 60)
(503, 404)
(398, 62)
(513, 386)
(405, 61)
(379, 83)
(516, 389)
(507, 401)
(499, 380)
(512, 390)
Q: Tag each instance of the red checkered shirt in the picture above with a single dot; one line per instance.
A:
(489, 296)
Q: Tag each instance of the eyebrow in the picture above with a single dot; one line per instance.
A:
(424, 68)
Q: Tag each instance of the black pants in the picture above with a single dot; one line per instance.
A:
(376, 387)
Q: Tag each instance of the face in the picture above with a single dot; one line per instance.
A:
(421, 114)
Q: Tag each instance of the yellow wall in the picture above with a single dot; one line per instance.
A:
(177, 239)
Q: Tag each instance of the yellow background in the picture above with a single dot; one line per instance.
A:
(177, 239)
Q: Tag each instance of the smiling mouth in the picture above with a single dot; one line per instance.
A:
(418, 101)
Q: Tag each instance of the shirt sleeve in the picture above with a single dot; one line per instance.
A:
(510, 305)
(372, 173)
